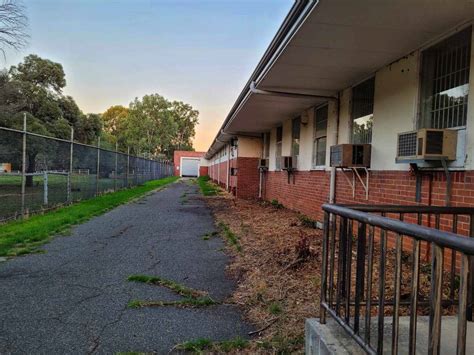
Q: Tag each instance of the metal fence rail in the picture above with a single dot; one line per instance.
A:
(38, 172)
(356, 255)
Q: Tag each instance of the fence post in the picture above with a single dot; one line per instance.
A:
(45, 187)
(23, 169)
(116, 166)
(128, 166)
(98, 168)
(69, 177)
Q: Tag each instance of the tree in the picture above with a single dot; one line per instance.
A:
(152, 126)
(13, 24)
(114, 118)
(35, 87)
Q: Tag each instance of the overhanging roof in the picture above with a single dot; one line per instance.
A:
(335, 44)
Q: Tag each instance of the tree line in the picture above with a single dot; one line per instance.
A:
(151, 126)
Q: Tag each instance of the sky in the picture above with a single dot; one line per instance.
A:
(201, 52)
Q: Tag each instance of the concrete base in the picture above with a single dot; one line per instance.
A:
(330, 338)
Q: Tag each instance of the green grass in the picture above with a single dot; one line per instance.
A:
(22, 237)
(188, 302)
(202, 344)
(207, 187)
(209, 235)
(172, 285)
(230, 236)
(275, 308)
(276, 204)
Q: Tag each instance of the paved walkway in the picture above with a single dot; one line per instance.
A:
(73, 298)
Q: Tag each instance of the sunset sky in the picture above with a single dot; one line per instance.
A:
(200, 52)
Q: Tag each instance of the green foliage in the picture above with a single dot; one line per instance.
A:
(188, 302)
(276, 204)
(306, 221)
(172, 285)
(230, 236)
(275, 308)
(20, 237)
(203, 344)
(207, 187)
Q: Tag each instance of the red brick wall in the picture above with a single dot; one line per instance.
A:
(247, 177)
(184, 153)
(203, 171)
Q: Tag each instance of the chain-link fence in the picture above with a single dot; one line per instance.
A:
(38, 173)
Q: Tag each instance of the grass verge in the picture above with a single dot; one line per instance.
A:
(203, 344)
(207, 188)
(22, 237)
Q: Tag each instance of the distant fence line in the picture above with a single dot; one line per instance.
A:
(38, 172)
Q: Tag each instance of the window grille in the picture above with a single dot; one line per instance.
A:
(445, 82)
(320, 136)
(362, 111)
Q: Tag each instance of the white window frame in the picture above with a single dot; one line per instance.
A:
(317, 136)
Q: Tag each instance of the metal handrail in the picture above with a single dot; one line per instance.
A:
(346, 298)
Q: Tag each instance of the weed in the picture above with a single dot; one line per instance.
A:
(209, 235)
(275, 308)
(202, 344)
(306, 221)
(207, 188)
(21, 237)
(230, 236)
(172, 285)
(276, 204)
(189, 302)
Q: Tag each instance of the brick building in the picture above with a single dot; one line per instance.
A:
(193, 163)
(335, 74)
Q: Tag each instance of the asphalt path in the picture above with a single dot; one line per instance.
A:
(72, 299)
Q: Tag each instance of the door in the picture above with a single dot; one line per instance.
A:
(190, 167)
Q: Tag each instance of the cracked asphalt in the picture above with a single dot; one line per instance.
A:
(73, 298)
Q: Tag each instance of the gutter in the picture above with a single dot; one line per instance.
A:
(296, 16)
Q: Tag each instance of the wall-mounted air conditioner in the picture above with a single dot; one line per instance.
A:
(263, 164)
(289, 163)
(427, 144)
(350, 156)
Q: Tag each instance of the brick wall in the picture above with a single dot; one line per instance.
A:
(247, 178)
(203, 171)
(183, 153)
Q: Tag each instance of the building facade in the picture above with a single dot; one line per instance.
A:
(337, 73)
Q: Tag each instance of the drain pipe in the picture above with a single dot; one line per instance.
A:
(332, 182)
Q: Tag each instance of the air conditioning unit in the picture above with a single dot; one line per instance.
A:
(350, 156)
(289, 163)
(427, 144)
(263, 164)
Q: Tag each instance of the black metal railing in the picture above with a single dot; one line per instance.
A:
(372, 268)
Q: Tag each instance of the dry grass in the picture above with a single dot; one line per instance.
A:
(278, 270)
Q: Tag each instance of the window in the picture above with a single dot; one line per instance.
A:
(320, 135)
(362, 111)
(445, 82)
(266, 145)
(295, 138)
(279, 143)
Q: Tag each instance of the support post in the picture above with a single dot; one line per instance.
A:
(71, 165)
(116, 166)
(23, 169)
(98, 168)
(128, 165)
(45, 188)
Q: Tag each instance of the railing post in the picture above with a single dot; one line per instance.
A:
(23, 169)
(462, 310)
(98, 168)
(360, 271)
(470, 285)
(71, 167)
(322, 310)
(435, 298)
